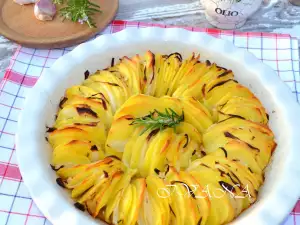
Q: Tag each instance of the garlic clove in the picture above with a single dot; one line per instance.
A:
(25, 2)
(44, 10)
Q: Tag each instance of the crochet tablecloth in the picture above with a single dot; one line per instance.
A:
(16, 206)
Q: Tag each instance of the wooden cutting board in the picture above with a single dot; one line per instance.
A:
(18, 23)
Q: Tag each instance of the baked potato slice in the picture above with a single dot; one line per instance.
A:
(76, 113)
(221, 179)
(115, 193)
(130, 214)
(185, 207)
(66, 135)
(85, 181)
(159, 74)
(156, 149)
(116, 140)
(239, 123)
(227, 179)
(220, 94)
(76, 153)
(244, 176)
(97, 128)
(241, 153)
(130, 71)
(196, 114)
(221, 210)
(93, 133)
(79, 107)
(257, 137)
(131, 151)
(162, 210)
(140, 146)
(131, 203)
(197, 196)
(185, 68)
(155, 157)
(108, 163)
(141, 105)
(193, 76)
(149, 73)
(213, 78)
(117, 91)
(85, 92)
(247, 108)
(139, 186)
(166, 68)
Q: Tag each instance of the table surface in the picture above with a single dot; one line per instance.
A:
(273, 15)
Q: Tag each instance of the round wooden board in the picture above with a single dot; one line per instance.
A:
(18, 23)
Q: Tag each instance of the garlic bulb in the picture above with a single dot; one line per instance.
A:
(25, 2)
(44, 10)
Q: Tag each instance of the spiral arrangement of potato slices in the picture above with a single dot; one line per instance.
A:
(205, 171)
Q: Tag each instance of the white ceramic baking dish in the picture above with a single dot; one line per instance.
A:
(281, 189)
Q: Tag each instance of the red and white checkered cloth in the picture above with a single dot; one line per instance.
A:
(16, 206)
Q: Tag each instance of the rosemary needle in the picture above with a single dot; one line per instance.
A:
(158, 120)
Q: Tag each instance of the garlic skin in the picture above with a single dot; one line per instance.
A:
(25, 2)
(44, 10)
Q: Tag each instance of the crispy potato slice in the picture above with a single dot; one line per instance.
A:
(69, 158)
(239, 172)
(241, 153)
(142, 105)
(140, 147)
(196, 114)
(97, 130)
(149, 74)
(130, 71)
(155, 157)
(139, 186)
(159, 74)
(198, 71)
(103, 197)
(83, 91)
(153, 184)
(116, 140)
(247, 108)
(166, 69)
(153, 209)
(185, 68)
(84, 113)
(221, 210)
(125, 205)
(213, 78)
(66, 172)
(76, 153)
(129, 149)
(115, 88)
(221, 178)
(257, 137)
(197, 197)
(219, 95)
(183, 206)
(94, 109)
(80, 133)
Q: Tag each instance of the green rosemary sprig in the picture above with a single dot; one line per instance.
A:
(80, 11)
(158, 120)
